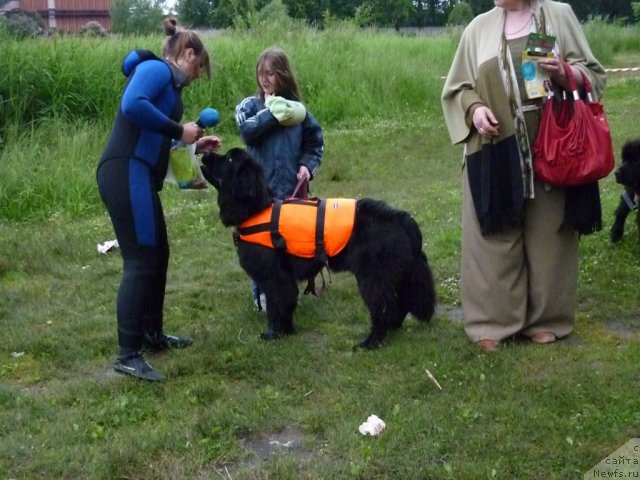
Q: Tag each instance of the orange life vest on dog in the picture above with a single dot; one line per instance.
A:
(303, 228)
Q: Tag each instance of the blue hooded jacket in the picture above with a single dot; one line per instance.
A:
(279, 149)
(149, 113)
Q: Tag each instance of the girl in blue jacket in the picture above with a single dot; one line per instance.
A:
(130, 174)
(278, 131)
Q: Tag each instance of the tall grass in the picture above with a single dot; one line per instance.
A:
(69, 85)
(343, 73)
(610, 41)
(349, 79)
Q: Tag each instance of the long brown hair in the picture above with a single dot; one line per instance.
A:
(179, 39)
(279, 63)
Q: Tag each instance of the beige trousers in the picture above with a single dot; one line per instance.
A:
(521, 281)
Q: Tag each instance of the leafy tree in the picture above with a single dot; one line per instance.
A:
(137, 17)
(223, 13)
(314, 11)
(227, 13)
(392, 12)
(584, 8)
(480, 6)
(146, 16)
(344, 8)
(364, 15)
(272, 16)
(119, 15)
(196, 13)
(617, 8)
(434, 12)
(635, 6)
(461, 14)
(274, 11)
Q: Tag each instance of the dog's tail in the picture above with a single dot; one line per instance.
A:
(421, 293)
(419, 285)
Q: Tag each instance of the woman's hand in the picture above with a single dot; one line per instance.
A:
(553, 67)
(303, 172)
(208, 144)
(485, 122)
(190, 133)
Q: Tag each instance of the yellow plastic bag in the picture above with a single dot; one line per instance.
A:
(184, 168)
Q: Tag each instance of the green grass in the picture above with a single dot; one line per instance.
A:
(526, 412)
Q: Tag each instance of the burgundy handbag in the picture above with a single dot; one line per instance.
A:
(573, 146)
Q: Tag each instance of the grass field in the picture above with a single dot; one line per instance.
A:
(235, 407)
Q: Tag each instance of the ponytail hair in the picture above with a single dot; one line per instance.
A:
(179, 39)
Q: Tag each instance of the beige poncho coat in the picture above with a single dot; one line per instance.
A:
(482, 73)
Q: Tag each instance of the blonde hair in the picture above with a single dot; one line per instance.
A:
(179, 39)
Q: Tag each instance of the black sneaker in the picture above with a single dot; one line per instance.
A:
(136, 366)
(161, 342)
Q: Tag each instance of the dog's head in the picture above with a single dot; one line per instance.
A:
(239, 179)
(628, 174)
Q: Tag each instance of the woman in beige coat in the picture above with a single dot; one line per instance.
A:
(519, 236)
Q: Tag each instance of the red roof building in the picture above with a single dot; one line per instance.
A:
(64, 15)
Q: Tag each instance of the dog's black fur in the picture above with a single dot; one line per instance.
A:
(628, 175)
(384, 253)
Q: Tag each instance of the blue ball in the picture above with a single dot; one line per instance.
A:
(209, 117)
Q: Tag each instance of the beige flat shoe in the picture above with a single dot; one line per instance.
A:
(543, 337)
(487, 345)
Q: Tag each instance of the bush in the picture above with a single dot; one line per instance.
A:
(461, 14)
(364, 15)
(273, 17)
(93, 29)
(24, 24)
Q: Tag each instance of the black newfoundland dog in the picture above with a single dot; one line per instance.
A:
(628, 175)
(383, 251)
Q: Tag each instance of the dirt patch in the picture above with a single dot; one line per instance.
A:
(623, 327)
(264, 446)
(288, 440)
(573, 340)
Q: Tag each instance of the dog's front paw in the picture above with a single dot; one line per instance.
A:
(369, 344)
(269, 335)
(616, 233)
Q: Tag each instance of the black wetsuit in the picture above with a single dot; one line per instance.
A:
(130, 174)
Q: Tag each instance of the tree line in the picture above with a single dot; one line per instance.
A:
(144, 16)
(384, 13)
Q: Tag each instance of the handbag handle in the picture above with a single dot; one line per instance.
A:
(572, 83)
(302, 187)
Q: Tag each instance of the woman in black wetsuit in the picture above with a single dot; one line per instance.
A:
(130, 174)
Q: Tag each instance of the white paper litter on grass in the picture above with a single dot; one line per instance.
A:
(373, 426)
(108, 246)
